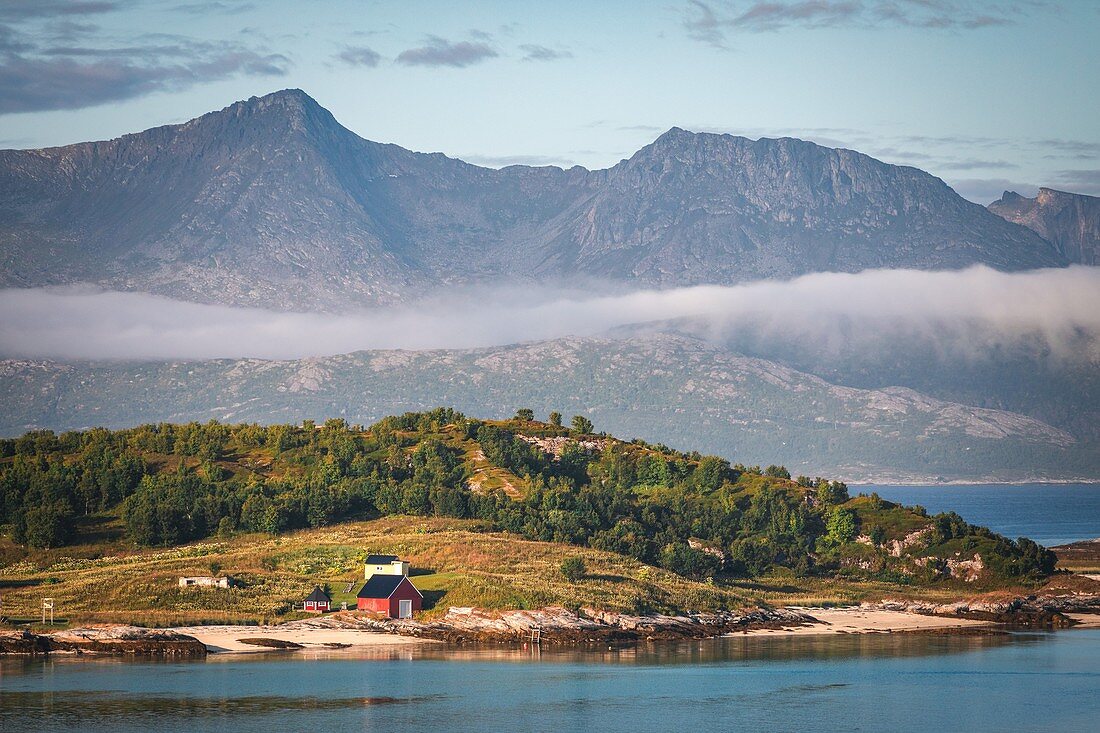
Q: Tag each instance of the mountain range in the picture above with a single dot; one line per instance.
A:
(271, 202)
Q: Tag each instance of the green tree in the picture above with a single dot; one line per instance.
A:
(878, 535)
(555, 419)
(525, 413)
(582, 425)
(832, 493)
(777, 472)
(841, 526)
(50, 524)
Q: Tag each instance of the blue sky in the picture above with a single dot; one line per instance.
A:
(987, 95)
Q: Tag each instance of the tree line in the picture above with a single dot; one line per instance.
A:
(695, 515)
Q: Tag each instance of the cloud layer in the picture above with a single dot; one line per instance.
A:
(978, 308)
(710, 22)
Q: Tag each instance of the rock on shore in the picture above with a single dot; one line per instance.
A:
(1045, 610)
(556, 625)
(118, 640)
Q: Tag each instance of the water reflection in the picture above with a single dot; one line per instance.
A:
(795, 683)
(732, 648)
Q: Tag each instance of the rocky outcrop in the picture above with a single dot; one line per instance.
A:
(113, 640)
(967, 570)
(556, 625)
(553, 445)
(1046, 609)
(914, 538)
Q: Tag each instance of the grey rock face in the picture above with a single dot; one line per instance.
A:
(1069, 221)
(272, 202)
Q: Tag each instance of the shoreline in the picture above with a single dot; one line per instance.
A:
(975, 482)
(826, 622)
(226, 639)
(351, 633)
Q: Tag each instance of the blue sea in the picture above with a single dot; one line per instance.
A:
(1050, 514)
(1021, 682)
(898, 684)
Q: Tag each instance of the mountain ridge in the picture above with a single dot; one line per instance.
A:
(271, 202)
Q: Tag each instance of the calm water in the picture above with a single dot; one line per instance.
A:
(1020, 682)
(1050, 514)
(900, 684)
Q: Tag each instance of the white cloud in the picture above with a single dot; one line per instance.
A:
(973, 309)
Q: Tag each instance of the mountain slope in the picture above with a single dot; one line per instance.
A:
(272, 202)
(661, 388)
(703, 208)
(1069, 221)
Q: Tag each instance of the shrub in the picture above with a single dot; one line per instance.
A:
(573, 568)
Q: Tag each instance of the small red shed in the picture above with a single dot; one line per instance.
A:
(393, 595)
(318, 601)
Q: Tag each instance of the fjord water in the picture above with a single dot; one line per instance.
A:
(902, 684)
(1050, 514)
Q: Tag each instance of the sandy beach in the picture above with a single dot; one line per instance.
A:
(226, 639)
(867, 621)
(1086, 620)
(222, 639)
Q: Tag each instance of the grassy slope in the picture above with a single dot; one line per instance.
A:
(457, 563)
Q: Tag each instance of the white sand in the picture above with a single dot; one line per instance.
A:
(1086, 620)
(220, 639)
(867, 621)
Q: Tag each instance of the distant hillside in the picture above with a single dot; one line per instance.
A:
(661, 388)
(1070, 221)
(272, 202)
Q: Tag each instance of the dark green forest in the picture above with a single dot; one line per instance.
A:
(696, 515)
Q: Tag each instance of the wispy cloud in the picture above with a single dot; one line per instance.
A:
(212, 7)
(711, 22)
(1080, 181)
(500, 161)
(535, 52)
(50, 62)
(16, 10)
(969, 309)
(360, 56)
(441, 52)
(970, 164)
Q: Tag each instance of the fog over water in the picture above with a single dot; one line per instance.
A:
(973, 311)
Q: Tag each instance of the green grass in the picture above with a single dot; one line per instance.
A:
(455, 563)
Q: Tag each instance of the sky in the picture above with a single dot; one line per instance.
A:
(987, 94)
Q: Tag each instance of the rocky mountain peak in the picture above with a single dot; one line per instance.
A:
(1069, 221)
(287, 110)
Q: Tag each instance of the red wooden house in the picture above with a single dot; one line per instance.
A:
(392, 595)
(318, 601)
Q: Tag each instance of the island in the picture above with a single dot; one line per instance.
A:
(143, 540)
